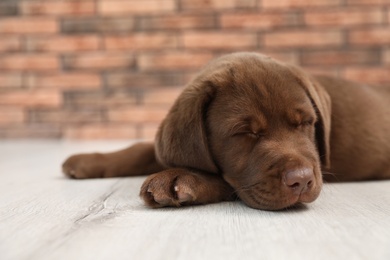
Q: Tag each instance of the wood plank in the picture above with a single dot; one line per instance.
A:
(46, 216)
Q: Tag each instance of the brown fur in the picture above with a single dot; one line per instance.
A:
(259, 129)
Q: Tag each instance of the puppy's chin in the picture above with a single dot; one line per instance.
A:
(258, 198)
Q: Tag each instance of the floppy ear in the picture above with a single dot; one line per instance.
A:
(322, 104)
(182, 137)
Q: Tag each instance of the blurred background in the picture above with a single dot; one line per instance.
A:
(106, 69)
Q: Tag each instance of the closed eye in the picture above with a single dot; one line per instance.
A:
(248, 127)
(255, 135)
(305, 123)
(308, 122)
(301, 117)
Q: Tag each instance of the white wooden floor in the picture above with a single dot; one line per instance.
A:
(46, 216)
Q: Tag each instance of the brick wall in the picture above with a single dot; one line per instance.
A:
(112, 68)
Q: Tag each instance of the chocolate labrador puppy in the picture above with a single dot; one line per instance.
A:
(259, 129)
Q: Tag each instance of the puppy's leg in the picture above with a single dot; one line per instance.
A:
(138, 159)
(178, 187)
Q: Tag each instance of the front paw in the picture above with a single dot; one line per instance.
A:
(170, 188)
(82, 166)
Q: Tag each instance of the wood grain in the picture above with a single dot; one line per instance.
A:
(46, 216)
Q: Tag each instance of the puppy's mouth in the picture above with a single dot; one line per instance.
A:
(265, 201)
(260, 196)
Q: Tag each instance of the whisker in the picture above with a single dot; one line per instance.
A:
(334, 175)
(246, 188)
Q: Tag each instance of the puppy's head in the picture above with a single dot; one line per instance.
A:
(262, 124)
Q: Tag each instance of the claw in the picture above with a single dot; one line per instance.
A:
(183, 196)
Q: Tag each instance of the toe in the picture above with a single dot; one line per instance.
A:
(183, 195)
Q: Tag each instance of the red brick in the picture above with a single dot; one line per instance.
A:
(138, 114)
(101, 131)
(370, 36)
(174, 60)
(258, 20)
(344, 17)
(368, 2)
(100, 60)
(32, 98)
(144, 79)
(65, 116)
(9, 44)
(141, 41)
(177, 22)
(160, 97)
(11, 116)
(31, 62)
(64, 44)
(386, 56)
(149, 131)
(94, 99)
(219, 40)
(378, 75)
(13, 80)
(8, 8)
(216, 4)
(66, 81)
(303, 39)
(24, 131)
(388, 16)
(285, 4)
(97, 24)
(28, 25)
(331, 58)
(115, 7)
(45, 7)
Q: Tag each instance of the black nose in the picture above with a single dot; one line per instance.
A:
(299, 180)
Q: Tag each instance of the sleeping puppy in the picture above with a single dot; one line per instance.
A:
(254, 128)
